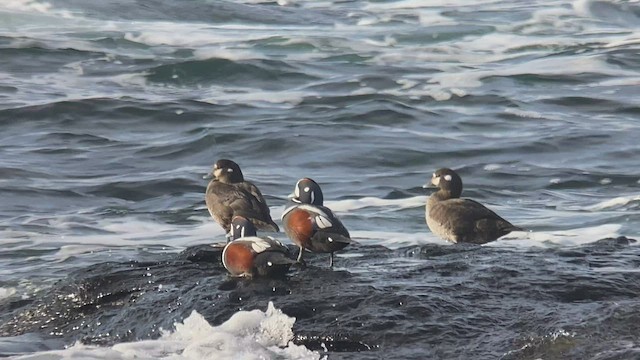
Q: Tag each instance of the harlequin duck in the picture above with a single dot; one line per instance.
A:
(229, 194)
(310, 225)
(248, 255)
(461, 220)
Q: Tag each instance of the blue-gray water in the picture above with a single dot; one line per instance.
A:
(111, 113)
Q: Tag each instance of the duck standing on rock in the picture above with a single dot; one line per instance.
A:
(229, 194)
(310, 225)
(461, 220)
(248, 255)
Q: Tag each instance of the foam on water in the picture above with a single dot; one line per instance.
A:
(615, 269)
(631, 39)
(188, 34)
(142, 234)
(561, 66)
(246, 335)
(289, 98)
(613, 204)
(6, 292)
(417, 4)
(122, 234)
(229, 41)
(31, 6)
(349, 205)
(395, 240)
(571, 237)
(524, 113)
(519, 239)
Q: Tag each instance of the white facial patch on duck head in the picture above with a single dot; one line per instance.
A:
(296, 191)
(447, 177)
(435, 180)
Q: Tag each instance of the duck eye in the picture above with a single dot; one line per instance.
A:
(306, 189)
(447, 177)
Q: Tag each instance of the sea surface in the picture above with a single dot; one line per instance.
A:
(111, 112)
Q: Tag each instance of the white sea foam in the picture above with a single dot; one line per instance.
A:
(518, 239)
(581, 7)
(247, 335)
(190, 34)
(132, 234)
(523, 113)
(164, 237)
(230, 41)
(571, 237)
(612, 11)
(6, 292)
(288, 97)
(229, 54)
(560, 65)
(627, 81)
(419, 4)
(492, 167)
(615, 269)
(394, 240)
(374, 202)
(434, 17)
(632, 39)
(614, 203)
(32, 6)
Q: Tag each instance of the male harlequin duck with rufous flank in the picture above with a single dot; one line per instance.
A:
(461, 220)
(229, 194)
(310, 225)
(248, 255)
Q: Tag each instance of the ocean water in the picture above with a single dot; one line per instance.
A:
(111, 112)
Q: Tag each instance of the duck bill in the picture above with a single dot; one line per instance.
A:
(433, 183)
(213, 174)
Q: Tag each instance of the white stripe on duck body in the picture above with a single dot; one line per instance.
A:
(228, 194)
(248, 255)
(311, 225)
(461, 220)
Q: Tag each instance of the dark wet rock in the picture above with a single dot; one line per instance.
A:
(210, 253)
(439, 301)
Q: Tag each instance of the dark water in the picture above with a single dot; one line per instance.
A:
(110, 113)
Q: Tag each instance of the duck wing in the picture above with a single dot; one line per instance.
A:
(473, 222)
(259, 204)
(226, 200)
